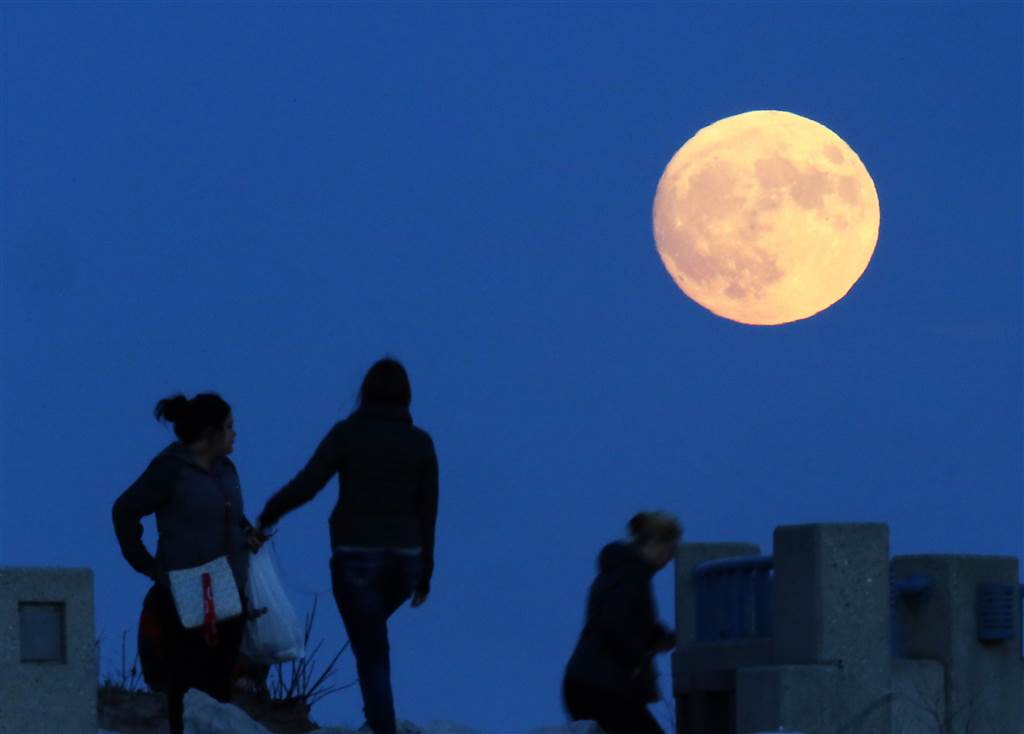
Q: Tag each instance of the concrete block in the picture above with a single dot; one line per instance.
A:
(787, 698)
(984, 680)
(831, 607)
(706, 712)
(712, 666)
(47, 616)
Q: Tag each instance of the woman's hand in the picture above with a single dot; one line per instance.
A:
(256, 538)
(666, 643)
(420, 596)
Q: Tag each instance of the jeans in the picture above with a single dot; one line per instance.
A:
(369, 586)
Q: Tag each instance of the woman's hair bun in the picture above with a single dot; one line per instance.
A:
(192, 418)
(171, 409)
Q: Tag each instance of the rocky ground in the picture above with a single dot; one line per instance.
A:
(126, 712)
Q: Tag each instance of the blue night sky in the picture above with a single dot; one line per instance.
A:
(263, 199)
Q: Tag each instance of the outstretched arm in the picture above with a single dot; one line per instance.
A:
(324, 463)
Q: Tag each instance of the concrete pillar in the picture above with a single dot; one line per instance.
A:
(984, 680)
(48, 661)
(831, 608)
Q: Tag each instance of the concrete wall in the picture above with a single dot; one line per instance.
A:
(984, 681)
(919, 696)
(53, 696)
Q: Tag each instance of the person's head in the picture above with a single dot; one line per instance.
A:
(656, 535)
(386, 383)
(204, 422)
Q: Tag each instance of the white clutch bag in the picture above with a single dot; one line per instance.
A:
(206, 593)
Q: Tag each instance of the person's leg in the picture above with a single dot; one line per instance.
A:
(577, 701)
(613, 713)
(175, 653)
(639, 720)
(219, 664)
(357, 579)
(626, 717)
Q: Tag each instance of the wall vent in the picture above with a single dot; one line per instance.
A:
(996, 613)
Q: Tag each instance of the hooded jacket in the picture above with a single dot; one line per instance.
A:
(616, 649)
(387, 472)
(199, 516)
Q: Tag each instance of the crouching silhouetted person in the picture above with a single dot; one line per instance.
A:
(610, 677)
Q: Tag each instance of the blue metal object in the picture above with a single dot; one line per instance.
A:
(995, 611)
(733, 598)
(914, 589)
(918, 585)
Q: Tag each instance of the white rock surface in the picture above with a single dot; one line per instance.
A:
(445, 727)
(206, 715)
(576, 727)
(407, 727)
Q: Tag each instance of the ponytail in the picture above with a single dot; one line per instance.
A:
(172, 409)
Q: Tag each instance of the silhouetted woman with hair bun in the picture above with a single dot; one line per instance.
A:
(610, 677)
(382, 529)
(194, 491)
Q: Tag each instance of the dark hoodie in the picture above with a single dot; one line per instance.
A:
(198, 516)
(616, 649)
(387, 473)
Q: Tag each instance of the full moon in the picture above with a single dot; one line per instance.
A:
(765, 217)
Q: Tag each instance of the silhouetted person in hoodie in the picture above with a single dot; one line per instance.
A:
(610, 677)
(193, 489)
(382, 529)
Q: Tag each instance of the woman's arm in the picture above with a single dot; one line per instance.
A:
(426, 506)
(323, 465)
(152, 490)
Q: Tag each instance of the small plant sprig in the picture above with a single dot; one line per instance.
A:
(303, 684)
(126, 677)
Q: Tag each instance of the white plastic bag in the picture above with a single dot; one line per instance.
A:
(274, 634)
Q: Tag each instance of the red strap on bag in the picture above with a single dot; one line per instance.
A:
(209, 611)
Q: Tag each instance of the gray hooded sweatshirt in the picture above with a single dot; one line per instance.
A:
(199, 516)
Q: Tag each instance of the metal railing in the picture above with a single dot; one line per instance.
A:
(733, 598)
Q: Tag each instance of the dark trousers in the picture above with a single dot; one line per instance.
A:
(614, 713)
(369, 586)
(191, 662)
